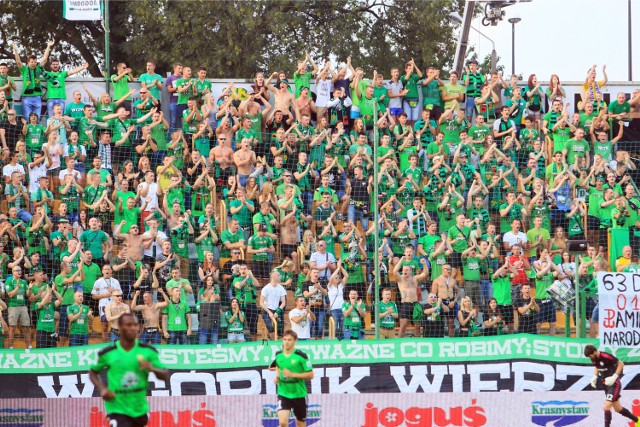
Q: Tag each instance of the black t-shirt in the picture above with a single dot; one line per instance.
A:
(432, 317)
(359, 190)
(11, 132)
(528, 319)
(606, 364)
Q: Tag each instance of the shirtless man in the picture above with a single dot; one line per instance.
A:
(446, 288)
(134, 240)
(113, 312)
(223, 154)
(245, 159)
(151, 315)
(226, 130)
(288, 224)
(408, 286)
(283, 98)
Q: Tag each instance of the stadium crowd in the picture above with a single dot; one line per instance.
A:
(229, 203)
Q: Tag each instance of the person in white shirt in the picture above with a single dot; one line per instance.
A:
(323, 261)
(12, 167)
(335, 294)
(149, 188)
(102, 291)
(514, 237)
(301, 318)
(323, 92)
(37, 169)
(155, 247)
(396, 92)
(273, 302)
(70, 170)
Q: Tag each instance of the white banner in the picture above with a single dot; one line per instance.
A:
(579, 409)
(619, 309)
(82, 10)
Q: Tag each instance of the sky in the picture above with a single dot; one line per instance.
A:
(549, 38)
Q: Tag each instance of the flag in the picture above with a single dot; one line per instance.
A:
(82, 10)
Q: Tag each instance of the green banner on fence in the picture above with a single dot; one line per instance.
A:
(227, 356)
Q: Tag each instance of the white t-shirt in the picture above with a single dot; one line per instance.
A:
(34, 177)
(153, 194)
(102, 286)
(7, 170)
(512, 238)
(272, 294)
(321, 260)
(303, 329)
(162, 236)
(394, 88)
(336, 297)
(323, 93)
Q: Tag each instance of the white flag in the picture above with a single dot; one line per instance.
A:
(82, 10)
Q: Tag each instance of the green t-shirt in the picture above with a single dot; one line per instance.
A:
(184, 96)
(91, 274)
(244, 215)
(66, 291)
(176, 315)
(32, 80)
(297, 362)
(119, 129)
(353, 321)
(461, 234)
(257, 242)
(228, 236)
(20, 298)
(576, 149)
(411, 85)
(542, 284)
(450, 89)
(120, 87)
(388, 321)
(302, 80)
(92, 240)
(514, 213)
(34, 138)
(46, 318)
(247, 293)
(81, 325)
(125, 378)
(180, 241)
(431, 94)
(471, 269)
(55, 84)
(502, 290)
(235, 327)
(176, 283)
(148, 79)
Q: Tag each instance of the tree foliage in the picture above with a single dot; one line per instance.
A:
(234, 39)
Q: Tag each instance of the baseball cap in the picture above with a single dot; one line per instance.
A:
(262, 227)
(63, 221)
(473, 61)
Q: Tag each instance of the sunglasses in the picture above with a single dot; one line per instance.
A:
(447, 268)
(119, 296)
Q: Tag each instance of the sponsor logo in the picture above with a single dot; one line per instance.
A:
(556, 413)
(270, 416)
(21, 417)
(186, 418)
(433, 416)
